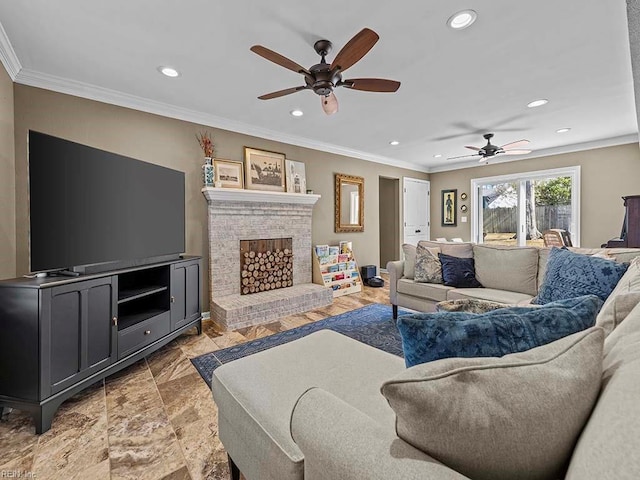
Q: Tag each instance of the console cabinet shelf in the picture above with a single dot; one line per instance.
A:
(59, 335)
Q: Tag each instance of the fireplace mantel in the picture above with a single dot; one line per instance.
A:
(257, 196)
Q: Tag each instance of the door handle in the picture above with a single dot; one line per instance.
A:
(418, 231)
(173, 299)
(147, 332)
(115, 321)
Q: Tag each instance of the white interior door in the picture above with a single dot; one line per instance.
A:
(416, 199)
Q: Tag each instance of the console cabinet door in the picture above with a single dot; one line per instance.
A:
(185, 293)
(79, 332)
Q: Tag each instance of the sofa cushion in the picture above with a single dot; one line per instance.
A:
(431, 291)
(515, 417)
(543, 259)
(611, 314)
(588, 251)
(572, 274)
(409, 260)
(432, 336)
(458, 272)
(609, 444)
(428, 268)
(507, 268)
(256, 395)
(620, 255)
(623, 255)
(489, 294)
(454, 249)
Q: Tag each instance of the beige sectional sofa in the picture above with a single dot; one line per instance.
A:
(510, 275)
(312, 409)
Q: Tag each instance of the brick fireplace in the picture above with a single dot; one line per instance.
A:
(235, 216)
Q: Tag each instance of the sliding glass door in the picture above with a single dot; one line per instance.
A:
(517, 209)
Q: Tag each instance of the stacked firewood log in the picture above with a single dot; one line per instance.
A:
(262, 271)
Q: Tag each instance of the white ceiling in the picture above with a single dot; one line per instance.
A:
(456, 85)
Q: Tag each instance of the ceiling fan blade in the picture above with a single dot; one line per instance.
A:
(372, 84)
(329, 104)
(463, 156)
(516, 152)
(472, 148)
(279, 59)
(355, 49)
(281, 93)
(512, 145)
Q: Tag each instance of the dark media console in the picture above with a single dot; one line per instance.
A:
(59, 335)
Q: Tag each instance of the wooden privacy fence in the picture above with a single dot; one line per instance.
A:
(505, 220)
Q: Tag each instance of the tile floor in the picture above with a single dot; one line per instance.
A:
(155, 420)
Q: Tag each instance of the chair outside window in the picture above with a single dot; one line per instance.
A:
(556, 237)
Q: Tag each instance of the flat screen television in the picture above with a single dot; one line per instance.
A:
(91, 208)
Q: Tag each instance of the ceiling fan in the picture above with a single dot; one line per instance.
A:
(322, 78)
(490, 150)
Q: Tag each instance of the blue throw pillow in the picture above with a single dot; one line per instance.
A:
(572, 274)
(433, 336)
(458, 272)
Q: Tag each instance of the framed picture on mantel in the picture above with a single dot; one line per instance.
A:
(229, 173)
(449, 207)
(264, 170)
(296, 178)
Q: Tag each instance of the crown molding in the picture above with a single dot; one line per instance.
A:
(8, 55)
(113, 97)
(92, 92)
(576, 147)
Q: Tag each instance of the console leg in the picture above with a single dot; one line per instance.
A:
(43, 418)
(395, 312)
(234, 471)
(199, 327)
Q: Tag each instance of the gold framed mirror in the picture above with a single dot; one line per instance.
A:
(349, 203)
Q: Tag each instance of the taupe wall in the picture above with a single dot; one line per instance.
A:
(606, 175)
(7, 179)
(172, 143)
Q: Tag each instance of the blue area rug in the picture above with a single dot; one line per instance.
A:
(372, 325)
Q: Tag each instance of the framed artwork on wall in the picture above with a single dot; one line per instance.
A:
(296, 179)
(264, 170)
(229, 173)
(449, 207)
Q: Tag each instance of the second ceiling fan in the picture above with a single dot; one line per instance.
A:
(490, 150)
(323, 78)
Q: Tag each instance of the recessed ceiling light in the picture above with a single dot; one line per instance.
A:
(169, 72)
(296, 113)
(462, 19)
(437, 155)
(563, 130)
(394, 142)
(537, 103)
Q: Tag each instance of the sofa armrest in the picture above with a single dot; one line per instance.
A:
(396, 270)
(340, 442)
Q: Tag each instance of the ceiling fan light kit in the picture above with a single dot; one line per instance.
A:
(323, 78)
